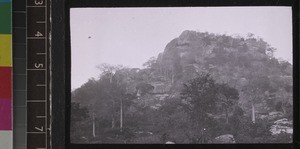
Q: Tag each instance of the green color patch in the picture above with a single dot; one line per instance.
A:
(5, 18)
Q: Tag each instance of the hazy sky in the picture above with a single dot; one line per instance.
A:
(130, 36)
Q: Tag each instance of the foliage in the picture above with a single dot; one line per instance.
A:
(78, 115)
(200, 94)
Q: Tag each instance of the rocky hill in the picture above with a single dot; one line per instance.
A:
(246, 64)
(150, 98)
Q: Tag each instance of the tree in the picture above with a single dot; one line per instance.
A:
(228, 96)
(78, 115)
(172, 119)
(255, 91)
(144, 88)
(109, 71)
(200, 94)
(115, 90)
(150, 63)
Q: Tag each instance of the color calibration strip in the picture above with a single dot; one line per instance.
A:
(6, 98)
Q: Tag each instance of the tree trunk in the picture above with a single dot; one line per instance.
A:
(202, 136)
(121, 115)
(172, 79)
(112, 122)
(113, 117)
(284, 110)
(111, 76)
(113, 107)
(253, 112)
(226, 114)
(94, 134)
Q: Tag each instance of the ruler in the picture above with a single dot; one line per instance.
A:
(38, 103)
(31, 29)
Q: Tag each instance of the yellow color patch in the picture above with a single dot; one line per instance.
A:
(5, 50)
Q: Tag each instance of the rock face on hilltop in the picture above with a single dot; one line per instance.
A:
(244, 63)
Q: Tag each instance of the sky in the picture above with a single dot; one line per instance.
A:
(130, 36)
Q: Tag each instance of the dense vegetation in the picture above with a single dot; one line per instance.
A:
(201, 87)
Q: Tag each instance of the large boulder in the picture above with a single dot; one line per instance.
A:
(160, 87)
(228, 138)
(282, 126)
(170, 142)
(275, 115)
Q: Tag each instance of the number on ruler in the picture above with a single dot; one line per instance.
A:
(39, 129)
(39, 2)
(38, 65)
(38, 34)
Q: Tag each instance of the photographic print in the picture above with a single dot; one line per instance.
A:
(181, 75)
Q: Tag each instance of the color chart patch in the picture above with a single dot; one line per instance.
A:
(5, 52)
(6, 98)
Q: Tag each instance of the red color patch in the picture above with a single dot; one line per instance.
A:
(5, 83)
(5, 114)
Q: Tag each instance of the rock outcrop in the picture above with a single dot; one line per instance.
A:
(228, 138)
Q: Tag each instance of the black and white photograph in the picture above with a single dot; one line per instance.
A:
(181, 75)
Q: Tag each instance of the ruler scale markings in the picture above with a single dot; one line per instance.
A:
(20, 106)
(36, 132)
(37, 41)
(21, 44)
(36, 6)
(46, 91)
(26, 46)
(19, 11)
(19, 27)
(21, 58)
(19, 73)
(45, 34)
(35, 69)
(36, 100)
(41, 22)
(36, 38)
(20, 90)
